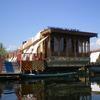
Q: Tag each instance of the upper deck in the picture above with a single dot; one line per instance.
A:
(67, 47)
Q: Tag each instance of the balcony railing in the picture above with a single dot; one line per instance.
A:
(67, 61)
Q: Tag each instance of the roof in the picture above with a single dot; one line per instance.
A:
(68, 31)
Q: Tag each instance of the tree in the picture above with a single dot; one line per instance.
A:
(3, 51)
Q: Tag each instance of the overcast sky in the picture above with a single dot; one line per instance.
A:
(22, 19)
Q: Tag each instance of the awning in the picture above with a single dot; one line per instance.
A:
(37, 45)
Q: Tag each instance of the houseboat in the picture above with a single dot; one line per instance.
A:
(55, 50)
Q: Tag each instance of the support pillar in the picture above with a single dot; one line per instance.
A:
(85, 75)
(75, 48)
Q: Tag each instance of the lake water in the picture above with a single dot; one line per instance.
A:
(49, 89)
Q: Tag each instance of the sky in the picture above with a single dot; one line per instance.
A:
(22, 19)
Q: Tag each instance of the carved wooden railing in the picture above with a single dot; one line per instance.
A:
(67, 61)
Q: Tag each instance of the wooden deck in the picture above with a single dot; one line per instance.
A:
(10, 76)
(20, 76)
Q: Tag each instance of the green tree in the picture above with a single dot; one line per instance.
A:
(3, 51)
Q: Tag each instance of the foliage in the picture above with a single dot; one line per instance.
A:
(3, 51)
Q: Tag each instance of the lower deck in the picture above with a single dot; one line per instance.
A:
(39, 66)
(10, 76)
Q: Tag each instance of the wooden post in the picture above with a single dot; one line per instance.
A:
(85, 75)
(1, 63)
(19, 58)
(66, 47)
(74, 47)
(81, 48)
(84, 47)
(88, 46)
(89, 75)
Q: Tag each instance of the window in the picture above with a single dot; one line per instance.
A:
(61, 45)
(52, 44)
(56, 45)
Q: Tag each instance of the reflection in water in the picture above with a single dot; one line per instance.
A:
(95, 87)
(52, 89)
(7, 91)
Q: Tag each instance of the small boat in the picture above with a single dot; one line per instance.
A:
(36, 76)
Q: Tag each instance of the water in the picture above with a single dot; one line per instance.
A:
(49, 89)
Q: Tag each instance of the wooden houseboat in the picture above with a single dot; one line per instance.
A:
(55, 50)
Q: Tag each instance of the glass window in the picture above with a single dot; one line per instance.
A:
(56, 44)
(69, 44)
(52, 44)
(61, 45)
